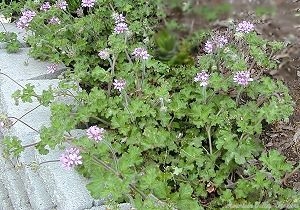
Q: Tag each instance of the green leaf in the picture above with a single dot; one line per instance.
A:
(188, 204)
(46, 97)
(177, 171)
(100, 74)
(200, 113)
(276, 163)
(130, 159)
(27, 93)
(149, 178)
(105, 184)
(12, 146)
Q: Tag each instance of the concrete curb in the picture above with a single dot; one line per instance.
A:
(48, 187)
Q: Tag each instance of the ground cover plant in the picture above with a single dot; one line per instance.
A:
(165, 127)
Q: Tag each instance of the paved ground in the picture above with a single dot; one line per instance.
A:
(50, 186)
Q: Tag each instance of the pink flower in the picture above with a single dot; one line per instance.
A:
(104, 54)
(54, 21)
(52, 68)
(220, 41)
(140, 53)
(45, 6)
(242, 78)
(88, 3)
(244, 27)
(96, 133)
(61, 4)
(119, 18)
(216, 42)
(119, 84)
(121, 28)
(208, 48)
(202, 77)
(70, 158)
(25, 19)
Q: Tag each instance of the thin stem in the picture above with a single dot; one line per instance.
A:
(242, 136)
(70, 94)
(24, 124)
(204, 94)
(11, 79)
(128, 57)
(127, 54)
(118, 175)
(126, 104)
(113, 153)
(111, 7)
(49, 161)
(144, 196)
(112, 72)
(238, 96)
(26, 114)
(101, 120)
(129, 112)
(143, 71)
(125, 98)
(107, 167)
(205, 150)
(290, 174)
(30, 145)
(208, 130)
(3, 27)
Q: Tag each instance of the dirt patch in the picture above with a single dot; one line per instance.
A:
(285, 137)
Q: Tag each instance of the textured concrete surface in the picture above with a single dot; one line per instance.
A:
(67, 188)
(123, 206)
(13, 191)
(10, 27)
(21, 66)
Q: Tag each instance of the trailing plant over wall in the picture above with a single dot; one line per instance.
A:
(159, 135)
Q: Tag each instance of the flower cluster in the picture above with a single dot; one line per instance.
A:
(54, 20)
(52, 68)
(88, 3)
(244, 27)
(119, 18)
(104, 54)
(119, 84)
(202, 77)
(70, 158)
(45, 6)
(96, 133)
(220, 41)
(25, 19)
(217, 42)
(120, 27)
(61, 5)
(208, 47)
(140, 53)
(242, 78)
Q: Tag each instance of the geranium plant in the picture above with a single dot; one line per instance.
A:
(159, 135)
